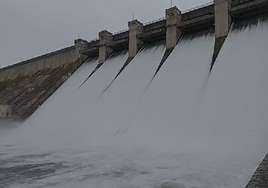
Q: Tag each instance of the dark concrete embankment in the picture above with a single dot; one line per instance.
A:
(25, 93)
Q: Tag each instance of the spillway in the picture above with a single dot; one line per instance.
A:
(49, 112)
(165, 112)
(232, 119)
(53, 107)
(121, 99)
(65, 114)
(186, 128)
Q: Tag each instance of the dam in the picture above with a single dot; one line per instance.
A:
(142, 107)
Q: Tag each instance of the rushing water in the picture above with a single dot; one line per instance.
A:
(188, 130)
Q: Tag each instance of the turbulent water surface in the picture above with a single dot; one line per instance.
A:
(185, 129)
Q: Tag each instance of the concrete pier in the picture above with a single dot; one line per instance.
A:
(104, 51)
(80, 45)
(173, 21)
(135, 29)
(5, 111)
(216, 14)
(222, 17)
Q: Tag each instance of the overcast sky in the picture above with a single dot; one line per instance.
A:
(29, 28)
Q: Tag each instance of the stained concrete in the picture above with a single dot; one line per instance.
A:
(5, 111)
(173, 33)
(135, 29)
(222, 18)
(51, 60)
(104, 51)
(25, 93)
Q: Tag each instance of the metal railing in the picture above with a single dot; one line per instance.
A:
(160, 19)
(154, 21)
(119, 32)
(254, 8)
(256, 2)
(116, 33)
(198, 7)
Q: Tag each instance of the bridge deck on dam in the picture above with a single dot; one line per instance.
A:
(191, 20)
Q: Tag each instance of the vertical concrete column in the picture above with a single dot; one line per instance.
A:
(104, 51)
(135, 29)
(80, 44)
(173, 20)
(222, 17)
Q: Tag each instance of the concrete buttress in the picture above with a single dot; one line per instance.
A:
(222, 18)
(80, 44)
(135, 29)
(173, 33)
(105, 38)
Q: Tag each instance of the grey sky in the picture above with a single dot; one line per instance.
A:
(29, 28)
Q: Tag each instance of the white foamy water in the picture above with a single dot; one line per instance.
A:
(232, 118)
(122, 97)
(66, 122)
(165, 112)
(187, 130)
(53, 107)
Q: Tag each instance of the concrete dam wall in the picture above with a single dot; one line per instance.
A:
(157, 47)
(48, 61)
(26, 85)
(216, 16)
